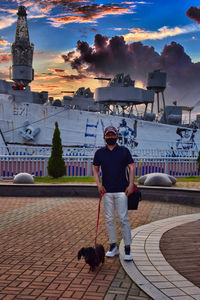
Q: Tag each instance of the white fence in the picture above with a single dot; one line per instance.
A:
(11, 165)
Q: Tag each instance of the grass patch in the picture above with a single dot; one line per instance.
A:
(189, 178)
(48, 179)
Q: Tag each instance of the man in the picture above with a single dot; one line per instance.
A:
(113, 161)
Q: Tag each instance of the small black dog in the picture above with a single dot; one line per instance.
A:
(93, 255)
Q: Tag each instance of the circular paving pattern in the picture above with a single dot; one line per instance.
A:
(150, 270)
(184, 240)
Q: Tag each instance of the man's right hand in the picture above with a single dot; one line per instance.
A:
(101, 189)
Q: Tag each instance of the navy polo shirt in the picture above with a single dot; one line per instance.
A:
(113, 165)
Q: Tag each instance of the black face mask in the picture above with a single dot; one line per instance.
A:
(111, 141)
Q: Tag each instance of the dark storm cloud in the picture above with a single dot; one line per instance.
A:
(69, 56)
(73, 60)
(110, 56)
(194, 13)
(115, 55)
(183, 75)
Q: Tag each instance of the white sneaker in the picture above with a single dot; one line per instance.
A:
(128, 254)
(112, 252)
(128, 257)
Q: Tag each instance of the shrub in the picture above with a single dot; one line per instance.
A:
(56, 164)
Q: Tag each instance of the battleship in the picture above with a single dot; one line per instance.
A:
(146, 125)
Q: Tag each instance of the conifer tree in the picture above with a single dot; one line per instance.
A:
(56, 164)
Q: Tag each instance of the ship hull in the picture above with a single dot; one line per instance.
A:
(33, 124)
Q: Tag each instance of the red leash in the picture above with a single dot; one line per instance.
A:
(99, 208)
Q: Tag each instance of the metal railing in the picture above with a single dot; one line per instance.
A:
(11, 165)
(85, 151)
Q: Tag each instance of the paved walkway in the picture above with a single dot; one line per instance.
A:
(40, 238)
(150, 269)
(184, 240)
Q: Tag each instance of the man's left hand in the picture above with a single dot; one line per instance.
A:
(129, 189)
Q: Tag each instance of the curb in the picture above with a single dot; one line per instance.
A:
(166, 194)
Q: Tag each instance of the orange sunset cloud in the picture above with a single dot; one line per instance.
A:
(89, 14)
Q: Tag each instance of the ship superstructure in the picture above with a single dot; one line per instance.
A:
(22, 72)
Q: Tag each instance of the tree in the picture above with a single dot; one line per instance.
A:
(56, 164)
(198, 160)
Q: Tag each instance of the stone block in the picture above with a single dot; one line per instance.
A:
(23, 178)
(157, 179)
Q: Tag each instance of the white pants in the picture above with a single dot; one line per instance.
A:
(120, 202)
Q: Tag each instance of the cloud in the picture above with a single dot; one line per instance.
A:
(60, 12)
(118, 28)
(69, 56)
(59, 75)
(98, 11)
(137, 34)
(39, 7)
(8, 10)
(89, 14)
(46, 76)
(93, 29)
(37, 16)
(73, 77)
(45, 86)
(60, 21)
(57, 70)
(33, 10)
(3, 43)
(135, 2)
(194, 13)
(4, 73)
(65, 4)
(4, 57)
(6, 21)
(110, 56)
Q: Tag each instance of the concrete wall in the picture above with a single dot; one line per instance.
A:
(177, 195)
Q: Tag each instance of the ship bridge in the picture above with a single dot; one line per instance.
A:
(121, 91)
(119, 97)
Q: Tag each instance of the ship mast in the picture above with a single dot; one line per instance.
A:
(22, 72)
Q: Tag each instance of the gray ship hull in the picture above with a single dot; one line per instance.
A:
(33, 124)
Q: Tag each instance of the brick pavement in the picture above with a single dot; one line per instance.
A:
(160, 210)
(40, 238)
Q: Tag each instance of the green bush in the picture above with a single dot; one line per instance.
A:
(198, 160)
(56, 164)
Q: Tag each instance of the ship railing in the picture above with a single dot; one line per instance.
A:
(79, 165)
(165, 153)
(87, 151)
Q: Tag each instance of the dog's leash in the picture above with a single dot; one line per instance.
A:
(99, 208)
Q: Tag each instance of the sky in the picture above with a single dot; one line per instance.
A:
(75, 41)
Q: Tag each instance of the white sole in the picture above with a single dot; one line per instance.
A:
(113, 255)
(128, 258)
